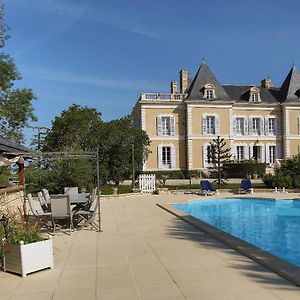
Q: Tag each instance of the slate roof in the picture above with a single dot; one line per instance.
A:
(11, 147)
(240, 93)
(290, 86)
(204, 76)
(288, 92)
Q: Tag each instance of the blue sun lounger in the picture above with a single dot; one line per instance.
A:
(206, 188)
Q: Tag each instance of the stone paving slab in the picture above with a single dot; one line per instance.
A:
(146, 253)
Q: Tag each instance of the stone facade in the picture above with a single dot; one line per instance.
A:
(260, 122)
(11, 200)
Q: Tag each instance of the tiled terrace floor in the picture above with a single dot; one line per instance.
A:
(146, 253)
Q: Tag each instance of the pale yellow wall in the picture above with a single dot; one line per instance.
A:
(197, 115)
(293, 120)
(153, 113)
(294, 147)
(152, 162)
(262, 113)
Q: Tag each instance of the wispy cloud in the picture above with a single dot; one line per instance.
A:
(75, 78)
(85, 11)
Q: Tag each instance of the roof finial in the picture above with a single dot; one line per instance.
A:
(293, 64)
(203, 60)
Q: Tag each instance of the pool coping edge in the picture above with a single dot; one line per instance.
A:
(279, 266)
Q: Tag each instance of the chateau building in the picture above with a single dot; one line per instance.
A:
(257, 122)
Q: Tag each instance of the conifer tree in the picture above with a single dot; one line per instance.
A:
(218, 155)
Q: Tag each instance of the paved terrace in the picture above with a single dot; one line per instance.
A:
(146, 253)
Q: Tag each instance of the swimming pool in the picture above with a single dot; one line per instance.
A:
(272, 225)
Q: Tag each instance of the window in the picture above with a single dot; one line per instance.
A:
(240, 151)
(211, 124)
(210, 154)
(256, 126)
(165, 125)
(240, 126)
(209, 91)
(272, 155)
(166, 157)
(254, 95)
(166, 128)
(209, 94)
(271, 125)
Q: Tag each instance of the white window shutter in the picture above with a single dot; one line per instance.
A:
(159, 125)
(234, 152)
(172, 125)
(204, 125)
(298, 125)
(234, 125)
(266, 126)
(204, 155)
(247, 152)
(246, 126)
(261, 126)
(251, 151)
(159, 157)
(265, 154)
(173, 157)
(250, 126)
(217, 125)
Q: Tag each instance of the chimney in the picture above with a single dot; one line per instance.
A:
(183, 80)
(174, 87)
(266, 83)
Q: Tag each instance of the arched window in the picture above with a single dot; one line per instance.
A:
(209, 91)
(254, 95)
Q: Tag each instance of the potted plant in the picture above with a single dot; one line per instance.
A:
(24, 248)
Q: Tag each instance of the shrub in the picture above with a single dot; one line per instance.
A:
(279, 179)
(244, 168)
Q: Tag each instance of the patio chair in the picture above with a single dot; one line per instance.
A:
(73, 190)
(206, 188)
(61, 210)
(246, 187)
(42, 217)
(86, 217)
(43, 202)
(46, 196)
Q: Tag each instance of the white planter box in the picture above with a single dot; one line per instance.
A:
(23, 259)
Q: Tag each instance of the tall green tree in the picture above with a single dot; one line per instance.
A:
(122, 146)
(77, 127)
(219, 154)
(15, 103)
(124, 141)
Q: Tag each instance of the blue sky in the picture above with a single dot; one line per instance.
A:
(103, 53)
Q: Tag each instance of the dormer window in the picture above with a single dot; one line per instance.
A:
(298, 94)
(254, 95)
(209, 91)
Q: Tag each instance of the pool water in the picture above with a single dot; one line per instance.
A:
(272, 225)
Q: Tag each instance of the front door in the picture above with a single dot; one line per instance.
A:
(257, 153)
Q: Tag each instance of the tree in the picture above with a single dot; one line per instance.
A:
(123, 138)
(291, 167)
(77, 127)
(219, 155)
(15, 104)
(81, 129)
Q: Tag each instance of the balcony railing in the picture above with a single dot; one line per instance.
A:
(161, 97)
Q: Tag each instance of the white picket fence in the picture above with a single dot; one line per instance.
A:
(147, 183)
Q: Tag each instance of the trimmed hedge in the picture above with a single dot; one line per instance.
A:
(244, 168)
(178, 174)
